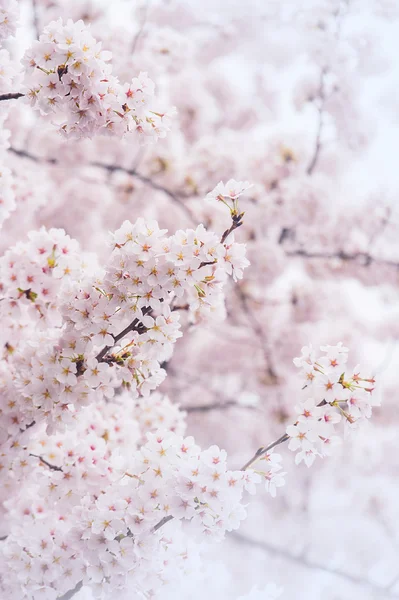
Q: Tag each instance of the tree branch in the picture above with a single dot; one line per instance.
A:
(11, 96)
(49, 465)
(363, 258)
(215, 406)
(135, 325)
(111, 169)
(262, 451)
(162, 522)
(237, 222)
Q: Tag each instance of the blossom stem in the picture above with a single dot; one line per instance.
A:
(237, 222)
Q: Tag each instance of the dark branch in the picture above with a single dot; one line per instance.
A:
(135, 325)
(11, 96)
(29, 156)
(237, 222)
(45, 462)
(162, 522)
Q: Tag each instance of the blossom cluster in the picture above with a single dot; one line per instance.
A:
(68, 77)
(333, 395)
(71, 338)
(95, 509)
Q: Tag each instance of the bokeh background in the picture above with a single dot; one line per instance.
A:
(299, 97)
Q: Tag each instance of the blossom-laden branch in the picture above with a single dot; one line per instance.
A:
(78, 87)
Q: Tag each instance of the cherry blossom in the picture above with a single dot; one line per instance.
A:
(68, 77)
(162, 330)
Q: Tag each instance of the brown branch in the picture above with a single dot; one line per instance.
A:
(12, 96)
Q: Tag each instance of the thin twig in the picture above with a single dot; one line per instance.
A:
(45, 462)
(215, 406)
(262, 451)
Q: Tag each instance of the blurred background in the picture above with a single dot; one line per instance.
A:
(299, 97)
